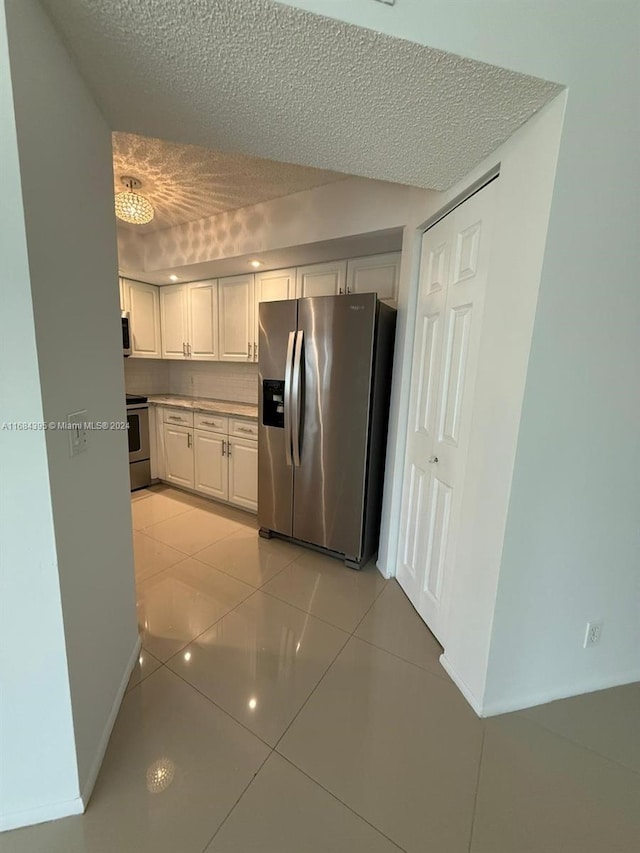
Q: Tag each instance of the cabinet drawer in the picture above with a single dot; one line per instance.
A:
(213, 423)
(243, 429)
(178, 416)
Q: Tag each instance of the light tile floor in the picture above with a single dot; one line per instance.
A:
(285, 704)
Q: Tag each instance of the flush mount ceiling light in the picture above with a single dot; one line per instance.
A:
(131, 206)
(255, 264)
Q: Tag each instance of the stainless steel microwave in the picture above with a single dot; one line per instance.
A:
(126, 334)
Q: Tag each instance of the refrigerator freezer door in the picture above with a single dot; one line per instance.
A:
(277, 326)
(336, 370)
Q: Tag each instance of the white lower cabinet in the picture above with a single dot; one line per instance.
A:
(243, 473)
(178, 449)
(211, 464)
(206, 453)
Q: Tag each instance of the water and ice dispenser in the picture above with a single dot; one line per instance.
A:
(273, 402)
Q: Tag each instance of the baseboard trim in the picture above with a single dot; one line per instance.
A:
(460, 684)
(55, 811)
(90, 782)
(493, 709)
(41, 814)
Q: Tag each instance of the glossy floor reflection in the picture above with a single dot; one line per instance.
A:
(285, 704)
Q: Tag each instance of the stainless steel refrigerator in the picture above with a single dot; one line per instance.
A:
(325, 380)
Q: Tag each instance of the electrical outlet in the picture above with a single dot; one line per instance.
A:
(592, 634)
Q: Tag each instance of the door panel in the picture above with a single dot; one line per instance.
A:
(271, 286)
(275, 477)
(338, 335)
(454, 267)
(211, 464)
(203, 320)
(173, 314)
(178, 455)
(414, 533)
(376, 274)
(321, 279)
(243, 473)
(145, 320)
(428, 382)
(437, 528)
(235, 295)
(454, 372)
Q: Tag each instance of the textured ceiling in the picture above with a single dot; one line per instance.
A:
(187, 182)
(260, 78)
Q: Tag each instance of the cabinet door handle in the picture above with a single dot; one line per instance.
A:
(229, 448)
(245, 429)
(249, 349)
(210, 423)
(188, 350)
(339, 290)
(184, 350)
(223, 447)
(255, 351)
(189, 439)
(175, 418)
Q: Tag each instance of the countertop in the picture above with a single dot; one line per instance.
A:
(205, 404)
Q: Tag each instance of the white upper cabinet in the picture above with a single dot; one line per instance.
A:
(271, 286)
(375, 274)
(202, 316)
(321, 279)
(236, 306)
(122, 286)
(189, 316)
(173, 313)
(142, 303)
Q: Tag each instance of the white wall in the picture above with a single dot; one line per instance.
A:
(571, 548)
(65, 171)
(523, 198)
(344, 208)
(38, 771)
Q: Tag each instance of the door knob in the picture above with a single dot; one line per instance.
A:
(433, 459)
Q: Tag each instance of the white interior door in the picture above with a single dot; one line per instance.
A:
(453, 274)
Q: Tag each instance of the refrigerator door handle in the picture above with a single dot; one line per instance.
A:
(295, 399)
(288, 368)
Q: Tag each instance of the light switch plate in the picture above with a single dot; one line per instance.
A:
(78, 432)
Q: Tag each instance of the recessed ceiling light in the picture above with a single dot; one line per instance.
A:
(256, 263)
(173, 278)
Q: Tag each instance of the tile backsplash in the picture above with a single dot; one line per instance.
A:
(219, 380)
(146, 376)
